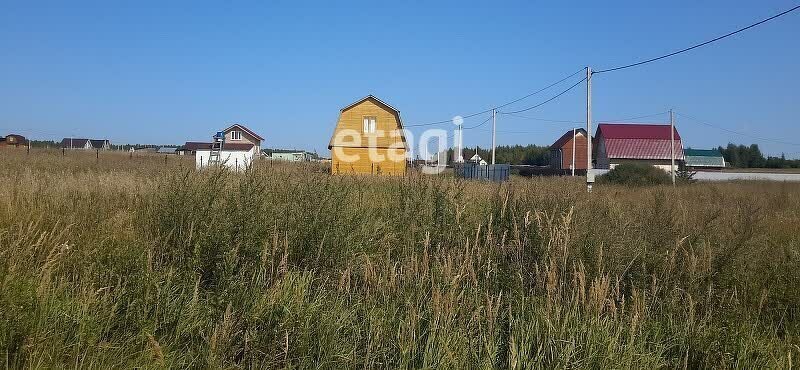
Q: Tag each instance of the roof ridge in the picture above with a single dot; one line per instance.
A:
(244, 128)
(370, 96)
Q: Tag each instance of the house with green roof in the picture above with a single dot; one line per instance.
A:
(703, 159)
(290, 155)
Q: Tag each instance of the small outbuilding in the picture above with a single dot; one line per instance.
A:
(703, 159)
(289, 155)
(477, 159)
(191, 147)
(369, 138)
(166, 150)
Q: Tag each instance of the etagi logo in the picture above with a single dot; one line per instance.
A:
(382, 146)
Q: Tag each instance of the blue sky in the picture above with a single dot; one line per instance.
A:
(146, 72)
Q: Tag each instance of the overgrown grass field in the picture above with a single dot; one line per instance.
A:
(142, 262)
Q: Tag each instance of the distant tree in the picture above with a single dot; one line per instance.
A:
(756, 158)
(512, 154)
(782, 162)
(742, 156)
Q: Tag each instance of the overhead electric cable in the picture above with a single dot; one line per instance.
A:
(499, 106)
(478, 125)
(546, 101)
(700, 44)
(544, 119)
(635, 118)
(696, 120)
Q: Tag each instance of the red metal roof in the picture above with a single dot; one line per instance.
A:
(642, 149)
(635, 131)
(638, 141)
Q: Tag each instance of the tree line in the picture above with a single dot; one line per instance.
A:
(736, 155)
(50, 144)
(533, 155)
(744, 156)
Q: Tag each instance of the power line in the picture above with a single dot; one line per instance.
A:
(546, 101)
(540, 90)
(543, 119)
(696, 120)
(499, 106)
(513, 131)
(700, 44)
(478, 125)
(446, 121)
(635, 118)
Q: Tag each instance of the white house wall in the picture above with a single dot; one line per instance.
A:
(234, 159)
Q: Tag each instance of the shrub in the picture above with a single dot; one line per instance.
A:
(635, 174)
(685, 176)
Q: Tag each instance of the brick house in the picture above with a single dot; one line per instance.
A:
(561, 151)
(13, 140)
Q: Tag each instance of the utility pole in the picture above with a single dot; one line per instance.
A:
(573, 152)
(494, 128)
(589, 173)
(458, 154)
(672, 145)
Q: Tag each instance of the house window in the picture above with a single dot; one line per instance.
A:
(236, 135)
(369, 125)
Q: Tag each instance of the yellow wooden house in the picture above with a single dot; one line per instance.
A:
(369, 139)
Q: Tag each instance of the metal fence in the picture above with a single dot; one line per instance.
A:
(491, 172)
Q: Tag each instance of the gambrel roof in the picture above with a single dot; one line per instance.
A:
(373, 97)
(638, 141)
(379, 102)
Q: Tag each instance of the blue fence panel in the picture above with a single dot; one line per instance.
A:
(491, 172)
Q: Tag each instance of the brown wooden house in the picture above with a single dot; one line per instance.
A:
(561, 151)
(13, 140)
(237, 138)
(238, 134)
(368, 138)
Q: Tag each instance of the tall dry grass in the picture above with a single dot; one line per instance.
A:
(131, 262)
